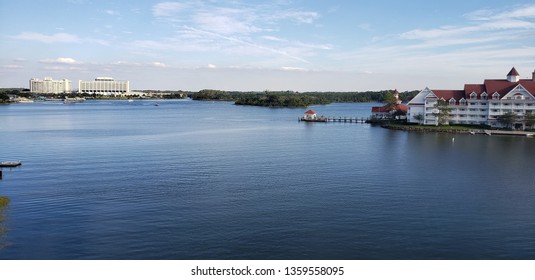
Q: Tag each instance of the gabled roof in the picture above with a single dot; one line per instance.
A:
(477, 88)
(489, 86)
(513, 72)
(448, 94)
(401, 108)
(310, 112)
(387, 108)
(382, 109)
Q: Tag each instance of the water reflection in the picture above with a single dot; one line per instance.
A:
(4, 202)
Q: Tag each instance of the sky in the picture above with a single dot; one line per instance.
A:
(322, 45)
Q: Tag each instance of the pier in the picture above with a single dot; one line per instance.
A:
(507, 132)
(335, 119)
(8, 164)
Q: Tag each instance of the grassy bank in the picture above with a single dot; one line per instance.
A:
(440, 128)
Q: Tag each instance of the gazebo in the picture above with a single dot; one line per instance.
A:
(310, 115)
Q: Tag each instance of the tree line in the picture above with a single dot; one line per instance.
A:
(295, 99)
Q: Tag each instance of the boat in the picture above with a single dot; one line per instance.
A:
(69, 100)
(10, 163)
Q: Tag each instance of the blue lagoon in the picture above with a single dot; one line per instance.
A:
(211, 180)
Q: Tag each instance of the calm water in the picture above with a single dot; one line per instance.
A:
(208, 180)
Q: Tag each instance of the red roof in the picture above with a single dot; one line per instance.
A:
(387, 109)
(448, 94)
(380, 109)
(310, 112)
(401, 108)
(490, 86)
(513, 72)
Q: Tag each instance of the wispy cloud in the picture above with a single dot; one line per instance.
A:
(481, 24)
(167, 9)
(503, 36)
(56, 38)
(60, 60)
(297, 16)
(232, 28)
(12, 66)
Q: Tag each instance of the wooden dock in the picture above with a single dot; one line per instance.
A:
(10, 163)
(335, 119)
(508, 132)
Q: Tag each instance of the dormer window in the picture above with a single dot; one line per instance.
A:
(473, 95)
(484, 96)
(462, 101)
(496, 96)
(452, 101)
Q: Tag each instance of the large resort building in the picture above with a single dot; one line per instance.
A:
(105, 86)
(50, 86)
(477, 103)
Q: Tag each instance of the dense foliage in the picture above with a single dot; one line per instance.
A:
(294, 99)
(4, 97)
(5, 92)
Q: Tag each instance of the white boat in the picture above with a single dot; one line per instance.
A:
(68, 100)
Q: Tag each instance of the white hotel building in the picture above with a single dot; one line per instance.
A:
(105, 86)
(49, 86)
(477, 103)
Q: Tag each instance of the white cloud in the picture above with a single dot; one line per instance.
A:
(273, 38)
(111, 12)
(298, 16)
(125, 63)
(56, 38)
(487, 39)
(226, 21)
(482, 23)
(12, 66)
(167, 9)
(60, 60)
(289, 68)
(157, 64)
(211, 66)
(233, 28)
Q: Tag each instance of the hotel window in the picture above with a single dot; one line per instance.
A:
(452, 101)
(462, 102)
(473, 95)
(484, 96)
(496, 96)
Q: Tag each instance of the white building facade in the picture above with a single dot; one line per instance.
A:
(477, 103)
(50, 86)
(104, 85)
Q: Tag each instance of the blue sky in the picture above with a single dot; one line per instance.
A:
(275, 45)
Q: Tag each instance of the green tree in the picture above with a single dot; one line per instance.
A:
(507, 119)
(419, 118)
(442, 112)
(4, 97)
(390, 99)
(529, 120)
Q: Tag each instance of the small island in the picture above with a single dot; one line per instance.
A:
(292, 99)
